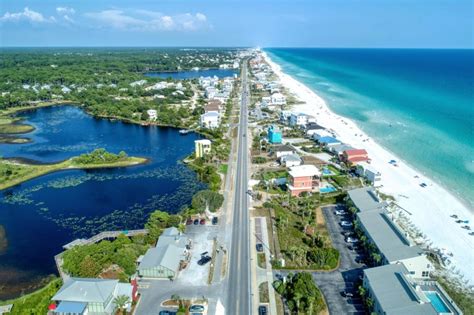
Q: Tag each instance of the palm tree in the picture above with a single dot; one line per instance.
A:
(121, 302)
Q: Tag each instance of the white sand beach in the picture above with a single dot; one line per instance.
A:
(430, 208)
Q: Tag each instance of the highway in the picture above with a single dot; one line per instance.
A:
(239, 286)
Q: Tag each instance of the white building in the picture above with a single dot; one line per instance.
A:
(278, 99)
(202, 147)
(299, 119)
(368, 171)
(290, 160)
(210, 120)
(152, 114)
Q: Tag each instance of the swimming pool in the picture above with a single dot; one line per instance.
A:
(327, 172)
(437, 302)
(327, 189)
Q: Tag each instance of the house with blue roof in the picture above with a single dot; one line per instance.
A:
(328, 141)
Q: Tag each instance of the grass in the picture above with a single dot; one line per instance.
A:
(36, 302)
(12, 174)
(464, 300)
(267, 175)
(15, 128)
(263, 292)
(261, 260)
(223, 168)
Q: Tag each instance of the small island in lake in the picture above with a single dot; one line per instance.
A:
(13, 172)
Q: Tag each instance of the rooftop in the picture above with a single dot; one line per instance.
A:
(394, 293)
(304, 171)
(328, 140)
(203, 141)
(284, 148)
(85, 290)
(355, 151)
(387, 236)
(365, 199)
(168, 256)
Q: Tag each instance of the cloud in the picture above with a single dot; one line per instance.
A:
(65, 11)
(26, 15)
(149, 21)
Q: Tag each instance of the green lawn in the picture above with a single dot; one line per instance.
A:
(223, 168)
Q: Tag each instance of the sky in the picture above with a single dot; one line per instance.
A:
(264, 23)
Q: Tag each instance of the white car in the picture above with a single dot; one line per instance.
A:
(351, 240)
(346, 224)
(340, 212)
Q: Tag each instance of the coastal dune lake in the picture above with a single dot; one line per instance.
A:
(40, 216)
(193, 74)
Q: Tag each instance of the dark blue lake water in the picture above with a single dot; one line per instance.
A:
(43, 214)
(182, 75)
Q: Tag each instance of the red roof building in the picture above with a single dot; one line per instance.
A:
(354, 156)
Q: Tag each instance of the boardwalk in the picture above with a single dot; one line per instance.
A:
(94, 239)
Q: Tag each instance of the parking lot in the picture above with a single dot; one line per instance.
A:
(190, 283)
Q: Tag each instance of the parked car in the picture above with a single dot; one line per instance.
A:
(259, 247)
(262, 310)
(347, 233)
(347, 294)
(196, 308)
(202, 222)
(189, 221)
(204, 260)
(351, 239)
(346, 224)
(167, 313)
(215, 220)
(196, 221)
(340, 212)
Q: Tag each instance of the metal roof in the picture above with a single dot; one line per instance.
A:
(388, 238)
(365, 199)
(168, 256)
(86, 290)
(394, 294)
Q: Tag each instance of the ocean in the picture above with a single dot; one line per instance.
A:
(417, 103)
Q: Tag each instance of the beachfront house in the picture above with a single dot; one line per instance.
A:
(328, 142)
(394, 290)
(369, 172)
(91, 296)
(303, 178)
(290, 160)
(321, 133)
(312, 128)
(354, 156)
(152, 114)
(283, 150)
(210, 120)
(274, 134)
(340, 148)
(278, 99)
(285, 117)
(202, 147)
(298, 119)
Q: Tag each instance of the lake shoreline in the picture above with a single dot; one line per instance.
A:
(48, 168)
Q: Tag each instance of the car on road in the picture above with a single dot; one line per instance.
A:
(351, 239)
(204, 260)
(196, 308)
(259, 247)
(215, 220)
(202, 222)
(347, 294)
(196, 221)
(262, 310)
(345, 223)
(189, 221)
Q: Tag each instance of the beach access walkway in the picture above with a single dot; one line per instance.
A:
(92, 240)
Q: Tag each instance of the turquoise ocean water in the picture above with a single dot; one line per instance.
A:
(419, 104)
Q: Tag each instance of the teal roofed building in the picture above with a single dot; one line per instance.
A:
(274, 134)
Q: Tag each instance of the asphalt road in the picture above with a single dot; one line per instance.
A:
(239, 285)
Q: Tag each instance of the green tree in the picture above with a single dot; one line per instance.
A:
(121, 302)
(207, 199)
(89, 268)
